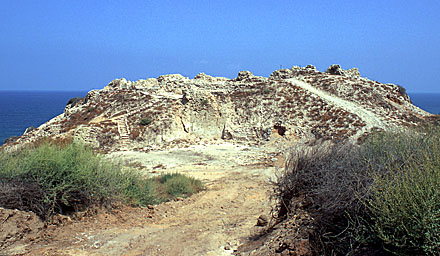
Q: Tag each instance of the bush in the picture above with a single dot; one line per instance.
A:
(177, 185)
(404, 200)
(74, 101)
(69, 177)
(205, 102)
(402, 90)
(140, 191)
(145, 121)
(382, 196)
(323, 179)
(50, 179)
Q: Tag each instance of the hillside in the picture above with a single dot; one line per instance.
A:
(292, 104)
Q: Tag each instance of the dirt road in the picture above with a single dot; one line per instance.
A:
(213, 222)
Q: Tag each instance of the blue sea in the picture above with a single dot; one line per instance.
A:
(427, 101)
(20, 109)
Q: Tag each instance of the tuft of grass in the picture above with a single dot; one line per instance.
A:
(179, 185)
(52, 178)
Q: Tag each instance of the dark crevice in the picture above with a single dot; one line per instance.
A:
(183, 125)
(225, 134)
(281, 130)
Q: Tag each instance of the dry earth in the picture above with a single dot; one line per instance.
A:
(213, 222)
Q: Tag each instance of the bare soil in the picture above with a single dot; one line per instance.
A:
(214, 222)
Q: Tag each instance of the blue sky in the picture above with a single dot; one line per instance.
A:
(81, 45)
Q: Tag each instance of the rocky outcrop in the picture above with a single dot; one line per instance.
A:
(289, 104)
(337, 70)
(11, 139)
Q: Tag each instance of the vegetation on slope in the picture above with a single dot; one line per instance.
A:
(377, 198)
(52, 177)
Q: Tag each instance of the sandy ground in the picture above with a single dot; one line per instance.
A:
(213, 222)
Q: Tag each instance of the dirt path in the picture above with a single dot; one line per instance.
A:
(370, 118)
(213, 222)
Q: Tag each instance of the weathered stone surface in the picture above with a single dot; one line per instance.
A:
(262, 220)
(11, 139)
(335, 70)
(29, 129)
(146, 84)
(290, 104)
(75, 101)
(120, 84)
(353, 72)
(244, 76)
(311, 67)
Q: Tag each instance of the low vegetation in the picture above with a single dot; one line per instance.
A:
(52, 178)
(145, 121)
(382, 197)
(205, 102)
(75, 101)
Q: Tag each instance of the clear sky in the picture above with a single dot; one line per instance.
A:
(81, 45)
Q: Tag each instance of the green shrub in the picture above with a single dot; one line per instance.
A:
(75, 101)
(404, 200)
(266, 91)
(205, 102)
(377, 198)
(177, 185)
(69, 176)
(141, 191)
(50, 179)
(402, 90)
(145, 121)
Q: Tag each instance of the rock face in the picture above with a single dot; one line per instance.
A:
(289, 104)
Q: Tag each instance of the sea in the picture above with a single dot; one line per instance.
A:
(22, 109)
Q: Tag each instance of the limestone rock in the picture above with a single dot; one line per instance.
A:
(353, 72)
(171, 78)
(11, 139)
(121, 83)
(146, 84)
(244, 76)
(262, 221)
(283, 73)
(29, 129)
(311, 67)
(74, 101)
(335, 70)
(291, 104)
(204, 76)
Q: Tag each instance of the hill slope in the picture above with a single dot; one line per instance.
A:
(174, 110)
